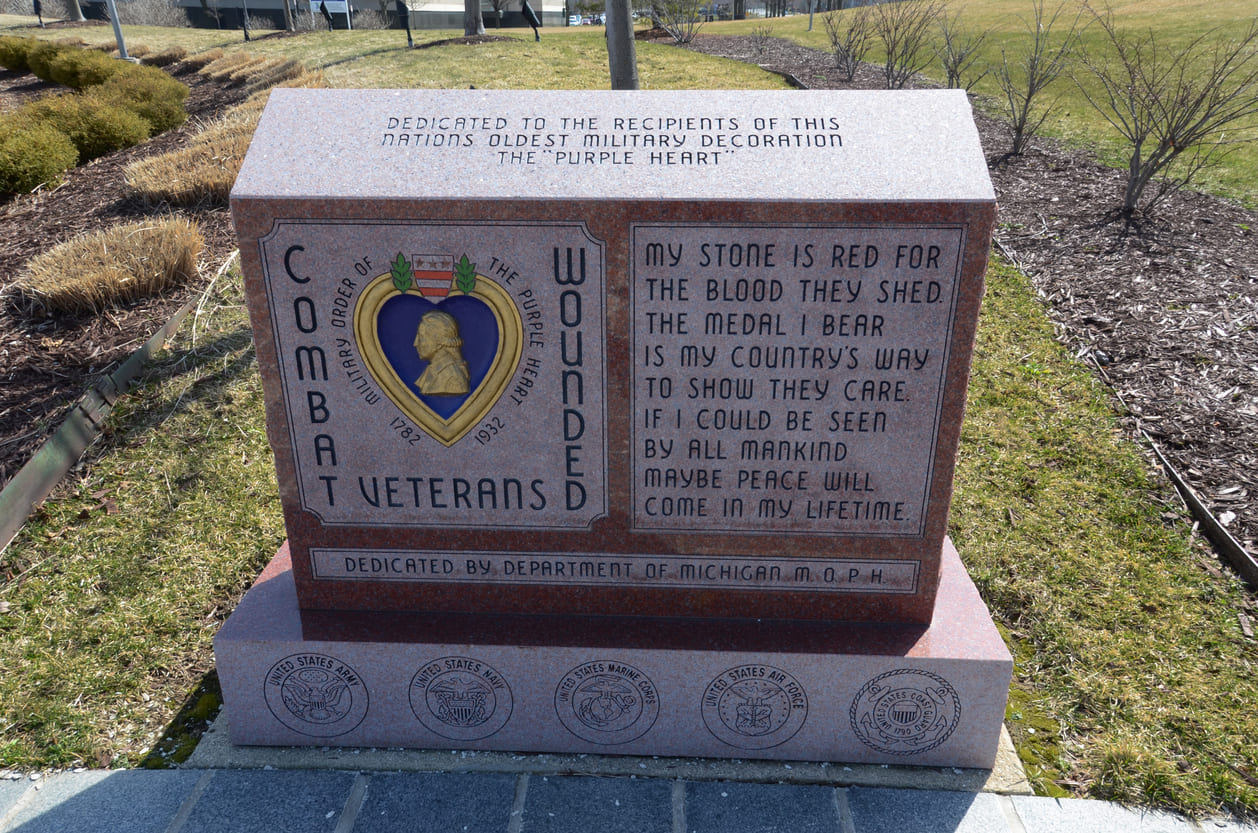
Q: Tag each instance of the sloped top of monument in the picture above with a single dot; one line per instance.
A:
(825, 145)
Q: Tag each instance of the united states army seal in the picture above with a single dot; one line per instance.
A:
(607, 702)
(905, 712)
(754, 706)
(316, 695)
(460, 698)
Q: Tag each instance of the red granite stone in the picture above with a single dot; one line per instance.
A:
(812, 306)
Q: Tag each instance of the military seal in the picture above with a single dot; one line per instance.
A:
(607, 702)
(905, 712)
(754, 706)
(315, 695)
(460, 698)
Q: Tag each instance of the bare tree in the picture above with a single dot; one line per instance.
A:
(849, 38)
(958, 52)
(761, 35)
(680, 18)
(74, 11)
(904, 27)
(152, 13)
(1172, 105)
(1040, 61)
(473, 21)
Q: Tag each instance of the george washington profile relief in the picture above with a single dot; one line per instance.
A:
(437, 342)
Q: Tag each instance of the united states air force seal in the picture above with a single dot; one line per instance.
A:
(607, 702)
(460, 698)
(754, 706)
(315, 695)
(905, 712)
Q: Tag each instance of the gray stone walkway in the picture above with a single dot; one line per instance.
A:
(323, 801)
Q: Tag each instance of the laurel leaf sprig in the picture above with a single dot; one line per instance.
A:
(400, 270)
(465, 275)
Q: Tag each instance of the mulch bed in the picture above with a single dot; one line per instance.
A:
(46, 363)
(1167, 311)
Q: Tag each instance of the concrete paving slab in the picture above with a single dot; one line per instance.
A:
(269, 802)
(138, 801)
(562, 804)
(1073, 815)
(916, 811)
(11, 792)
(432, 803)
(728, 807)
(215, 751)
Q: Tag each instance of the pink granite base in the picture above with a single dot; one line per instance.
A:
(932, 696)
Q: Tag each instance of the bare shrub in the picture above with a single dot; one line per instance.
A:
(371, 19)
(1040, 62)
(680, 18)
(152, 13)
(125, 263)
(760, 37)
(905, 28)
(849, 34)
(1172, 105)
(260, 23)
(958, 52)
(307, 20)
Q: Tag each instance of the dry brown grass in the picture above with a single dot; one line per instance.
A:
(223, 68)
(166, 57)
(95, 271)
(203, 172)
(203, 59)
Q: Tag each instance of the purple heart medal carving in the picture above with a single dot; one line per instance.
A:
(441, 341)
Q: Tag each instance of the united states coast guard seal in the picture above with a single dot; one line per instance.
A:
(460, 698)
(754, 706)
(315, 695)
(905, 712)
(607, 702)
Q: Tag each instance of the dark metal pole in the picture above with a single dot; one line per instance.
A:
(404, 10)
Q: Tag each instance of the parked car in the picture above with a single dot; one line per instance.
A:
(574, 20)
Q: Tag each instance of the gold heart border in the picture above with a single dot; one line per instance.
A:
(482, 399)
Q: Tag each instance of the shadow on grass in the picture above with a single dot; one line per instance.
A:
(214, 366)
(180, 737)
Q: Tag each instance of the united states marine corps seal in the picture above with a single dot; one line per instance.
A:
(607, 702)
(460, 698)
(315, 695)
(754, 706)
(905, 712)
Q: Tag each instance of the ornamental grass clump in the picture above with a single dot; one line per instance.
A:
(96, 271)
(203, 172)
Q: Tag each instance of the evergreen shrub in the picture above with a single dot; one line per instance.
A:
(31, 154)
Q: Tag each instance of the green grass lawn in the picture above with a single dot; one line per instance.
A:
(1073, 121)
(1133, 680)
